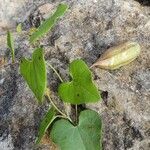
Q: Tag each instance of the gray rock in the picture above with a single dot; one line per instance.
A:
(86, 31)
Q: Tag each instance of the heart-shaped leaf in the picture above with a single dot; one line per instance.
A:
(34, 72)
(85, 136)
(47, 120)
(81, 89)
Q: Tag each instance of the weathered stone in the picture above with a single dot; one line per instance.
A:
(88, 29)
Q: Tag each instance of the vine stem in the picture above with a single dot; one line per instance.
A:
(55, 106)
(63, 115)
(60, 78)
(76, 114)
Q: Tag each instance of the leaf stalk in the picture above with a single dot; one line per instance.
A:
(58, 75)
(63, 115)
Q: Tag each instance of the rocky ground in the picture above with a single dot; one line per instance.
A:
(86, 31)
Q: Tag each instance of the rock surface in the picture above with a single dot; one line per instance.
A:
(86, 31)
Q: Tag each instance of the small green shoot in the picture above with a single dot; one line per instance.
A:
(10, 44)
(19, 28)
(85, 136)
(34, 72)
(81, 89)
(49, 23)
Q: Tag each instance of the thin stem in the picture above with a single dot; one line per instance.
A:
(58, 75)
(60, 116)
(55, 106)
(60, 78)
(67, 108)
(63, 115)
(76, 114)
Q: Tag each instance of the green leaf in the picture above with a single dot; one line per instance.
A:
(85, 136)
(19, 28)
(10, 44)
(46, 122)
(34, 72)
(81, 89)
(49, 23)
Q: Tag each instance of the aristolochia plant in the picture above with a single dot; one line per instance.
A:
(85, 132)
